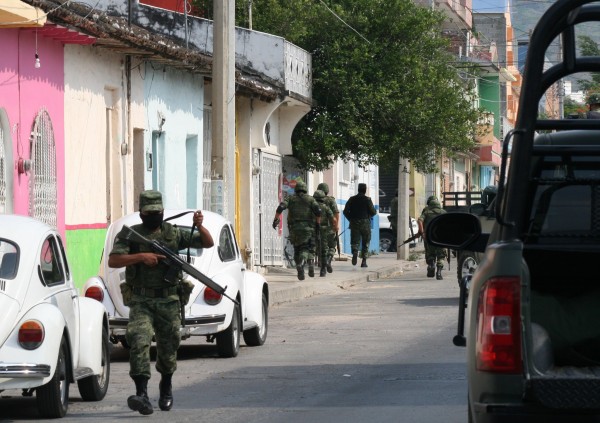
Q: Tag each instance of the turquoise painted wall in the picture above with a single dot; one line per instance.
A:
(84, 251)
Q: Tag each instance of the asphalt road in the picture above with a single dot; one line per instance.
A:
(375, 352)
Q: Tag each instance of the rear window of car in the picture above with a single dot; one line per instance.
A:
(9, 259)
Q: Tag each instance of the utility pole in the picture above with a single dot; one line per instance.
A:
(223, 100)
(403, 218)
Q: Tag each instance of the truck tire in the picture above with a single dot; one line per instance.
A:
(467, 264)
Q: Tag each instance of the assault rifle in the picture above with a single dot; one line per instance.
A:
(176, 264)
(411, 239)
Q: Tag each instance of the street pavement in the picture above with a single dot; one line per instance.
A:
(284, 285)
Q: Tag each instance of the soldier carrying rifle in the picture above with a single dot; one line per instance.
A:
(154, 304)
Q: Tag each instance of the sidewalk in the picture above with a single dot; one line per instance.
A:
(284, 285)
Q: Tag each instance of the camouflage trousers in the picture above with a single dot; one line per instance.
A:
(331, 241)
(435, 255)
(324, 250)
(148, 318)
(360, 233)
(302, 238)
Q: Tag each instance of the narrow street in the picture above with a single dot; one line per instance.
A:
(377, 352)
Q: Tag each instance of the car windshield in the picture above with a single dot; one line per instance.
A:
(9, 262)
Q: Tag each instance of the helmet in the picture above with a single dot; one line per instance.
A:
(324, 187)
(431, 198)
(593, 98)
(319, 195)
(300, 187)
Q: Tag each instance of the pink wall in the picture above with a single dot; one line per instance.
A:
(24, 91)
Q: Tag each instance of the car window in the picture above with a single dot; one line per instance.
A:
(226, 247)
(51, 272)
(64, 257)
(9, 259)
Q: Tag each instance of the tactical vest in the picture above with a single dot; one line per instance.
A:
(299, 208)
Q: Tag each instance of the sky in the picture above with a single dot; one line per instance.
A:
(485, 6)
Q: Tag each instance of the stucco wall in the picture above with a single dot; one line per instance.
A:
(179, 98)
(24, 92)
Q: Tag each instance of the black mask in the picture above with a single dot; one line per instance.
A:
(152, 221)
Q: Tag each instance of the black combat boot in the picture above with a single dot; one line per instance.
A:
(438, 275)
(430, 268)
(165, 401)
(323, 271)
(311, 268)
(364, 263)
(354, 257)
(300, 270)
(140, 402)
(328, 265)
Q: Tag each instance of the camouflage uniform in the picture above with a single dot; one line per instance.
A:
(332, 234)
(359, 210)
(154, 308)
(433, 255)
(325, 254)
(302, 211)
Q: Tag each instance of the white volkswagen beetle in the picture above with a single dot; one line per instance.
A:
(49, 335)
(207, 313)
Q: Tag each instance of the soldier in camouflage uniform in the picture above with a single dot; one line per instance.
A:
(304, 217)
(326, 224)
(333, 229)
(434, 256)
(154, 308)
(359, 210)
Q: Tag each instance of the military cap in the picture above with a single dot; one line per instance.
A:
(319, 195)
(300, 187)
(434, 204)
(431, 198)
(323, 187)
(151, 201)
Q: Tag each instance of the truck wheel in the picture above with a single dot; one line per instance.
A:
(387, 242)
(467, 264)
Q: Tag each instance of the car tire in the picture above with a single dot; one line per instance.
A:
(228, 341)
(94, 388)
(466, 265)
(387, 242)
(53, 397)
(257, 336)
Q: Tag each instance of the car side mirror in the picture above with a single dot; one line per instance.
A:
(455, 230)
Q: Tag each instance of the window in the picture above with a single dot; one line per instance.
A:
(9, 260)
(51, 272)
(226, 247)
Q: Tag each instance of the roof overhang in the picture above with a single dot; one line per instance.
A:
(17, 14)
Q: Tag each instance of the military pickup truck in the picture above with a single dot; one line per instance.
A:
(480, 204)
(532, 320)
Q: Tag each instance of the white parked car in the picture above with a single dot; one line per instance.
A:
(49, 335)
(387, 241)
(207, 313)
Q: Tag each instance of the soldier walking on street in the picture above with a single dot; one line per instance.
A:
(359, 210)
(154, 305)
(304, 218)
(334, 228)
(434, 256)
(326, 223)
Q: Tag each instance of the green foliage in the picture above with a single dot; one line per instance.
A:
(382, 84)
(589, 47)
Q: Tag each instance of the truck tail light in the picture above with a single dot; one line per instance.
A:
(95, 292)
(212, 297)
(31, 334)
(498, 343)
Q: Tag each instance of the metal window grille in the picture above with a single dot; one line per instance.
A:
(42, 183)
